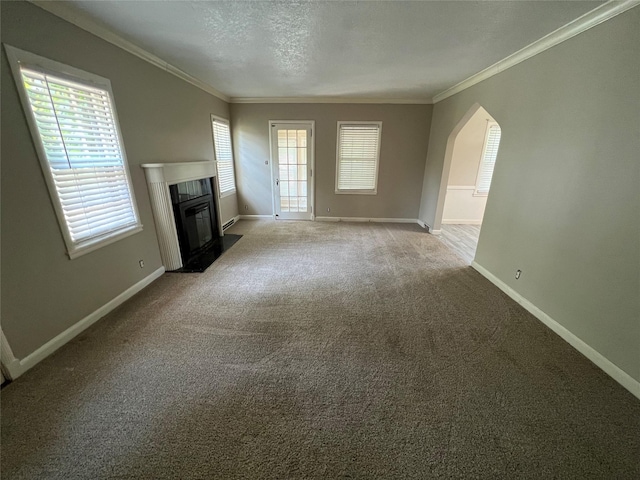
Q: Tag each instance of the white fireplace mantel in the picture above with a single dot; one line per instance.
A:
(159, 177)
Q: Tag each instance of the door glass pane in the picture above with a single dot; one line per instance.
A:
(292, 138)
(292, 167)
(302, 156)
(302, 138)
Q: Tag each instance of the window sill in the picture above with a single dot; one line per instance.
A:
(103, 242)
(229, 193)
(476, 194)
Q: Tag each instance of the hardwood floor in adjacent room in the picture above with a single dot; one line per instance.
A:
(462, 239)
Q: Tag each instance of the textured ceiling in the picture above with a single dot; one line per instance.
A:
(393, 49)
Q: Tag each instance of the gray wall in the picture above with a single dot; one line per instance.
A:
(405, 132)
(565, 197)
(163, 119)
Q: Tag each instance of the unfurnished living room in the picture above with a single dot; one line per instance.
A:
(320, 239)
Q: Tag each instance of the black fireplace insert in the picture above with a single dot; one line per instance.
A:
(194, 208)
(195, 213)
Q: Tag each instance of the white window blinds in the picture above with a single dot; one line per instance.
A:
(86, 163)
(358, 154)
(488, 159)
(224, 156)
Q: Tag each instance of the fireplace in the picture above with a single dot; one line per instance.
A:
(195, 214)
(187, 217)
(161, 177)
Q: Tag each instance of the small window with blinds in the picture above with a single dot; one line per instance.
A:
(224, 156)
(488, 161)
(74, 126)
(358, 157)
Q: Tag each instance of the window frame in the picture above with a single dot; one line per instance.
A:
(490, 124)
(221, 194)
(18, 57)
(373, 191)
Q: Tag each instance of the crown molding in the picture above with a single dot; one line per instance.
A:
(71, 15)
(590, 19)
(396, 101)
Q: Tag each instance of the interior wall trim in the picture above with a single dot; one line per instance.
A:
(429, 228)
(394, 101)
(71, 15)
(366, 219)
(256, 217)
(461, 221)
(10, 364)
(590, 19)
(17, 367)
(615, 372)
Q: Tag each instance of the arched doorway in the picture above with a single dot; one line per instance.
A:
(469, 161)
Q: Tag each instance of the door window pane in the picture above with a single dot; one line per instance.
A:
(302, 138)
(292, 160)
(302, 156)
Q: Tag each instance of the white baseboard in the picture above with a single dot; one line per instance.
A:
(615, 372)
(366, 219)
(255, 217)
(428, 227)
(15, 367)
(459, 221)
(10, 364)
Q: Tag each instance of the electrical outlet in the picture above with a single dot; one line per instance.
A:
(141, 263)
(328, 209)
(518, 273)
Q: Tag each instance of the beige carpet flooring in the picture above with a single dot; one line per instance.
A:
(320, 350)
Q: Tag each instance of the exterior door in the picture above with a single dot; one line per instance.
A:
(292, 169)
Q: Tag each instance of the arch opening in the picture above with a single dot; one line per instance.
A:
(470, 156)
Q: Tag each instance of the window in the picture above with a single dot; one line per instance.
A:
(224, 156)
(74, 125)
(489, 154)
(358, 154)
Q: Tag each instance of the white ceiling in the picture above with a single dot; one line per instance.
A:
(392, 49)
